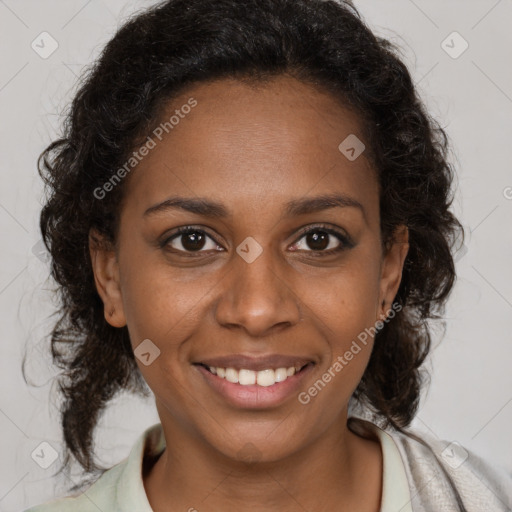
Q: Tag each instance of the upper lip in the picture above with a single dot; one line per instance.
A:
(241, 361)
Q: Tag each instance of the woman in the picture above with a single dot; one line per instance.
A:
(249, 213)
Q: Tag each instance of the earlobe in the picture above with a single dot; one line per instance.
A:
(106, 277)
(392, 267)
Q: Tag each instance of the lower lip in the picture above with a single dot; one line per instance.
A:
(254, 396)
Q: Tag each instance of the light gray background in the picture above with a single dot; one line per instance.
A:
(470, 398)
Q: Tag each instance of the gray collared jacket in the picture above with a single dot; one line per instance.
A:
(445, 477)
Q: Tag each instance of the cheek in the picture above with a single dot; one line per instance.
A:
(160, 300)
(346, 319)
(344, 301)
(161, 308)
(342, 306)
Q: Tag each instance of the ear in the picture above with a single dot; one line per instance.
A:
(106, 276)
(391, 270)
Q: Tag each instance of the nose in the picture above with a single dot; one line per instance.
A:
(257, 297)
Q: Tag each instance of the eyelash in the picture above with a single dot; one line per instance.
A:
(345, 241)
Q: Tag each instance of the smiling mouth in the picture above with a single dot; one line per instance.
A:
(265, 378)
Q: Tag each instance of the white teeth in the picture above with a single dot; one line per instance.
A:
(266, 378)
(263, 378)
(231, 375)
(281, 374)
(246, 377)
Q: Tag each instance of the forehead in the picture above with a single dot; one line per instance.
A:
(242, 143)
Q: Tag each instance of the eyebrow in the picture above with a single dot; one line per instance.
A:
(208, 208)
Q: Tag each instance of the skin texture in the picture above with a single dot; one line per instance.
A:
(253, 149)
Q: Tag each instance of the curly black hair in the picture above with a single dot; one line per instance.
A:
(157, 54)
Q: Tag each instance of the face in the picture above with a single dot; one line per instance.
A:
(268, 279)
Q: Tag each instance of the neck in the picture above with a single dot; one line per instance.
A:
(338, 471)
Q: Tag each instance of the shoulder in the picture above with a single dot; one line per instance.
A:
(440, 471)
(442, 475)
(101, 495)
(120, 487)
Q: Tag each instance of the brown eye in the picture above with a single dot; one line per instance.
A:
(322, 240)
(189, 240)
(318, 240)
(193, 241)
